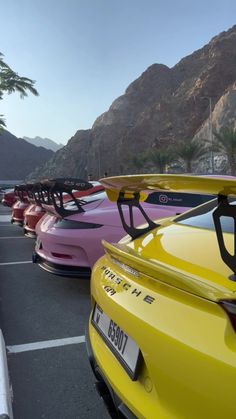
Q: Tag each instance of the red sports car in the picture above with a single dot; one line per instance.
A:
(20, 205)
(9, 198)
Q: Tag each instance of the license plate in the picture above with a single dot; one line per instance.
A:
(121, 344)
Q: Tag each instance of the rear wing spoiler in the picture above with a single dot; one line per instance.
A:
(34, 192)
(28, 190)
(21, 191)
(128, 190)
(175, 183)
(53, 193)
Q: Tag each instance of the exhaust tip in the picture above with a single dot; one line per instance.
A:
(105, 395)
(35, 257)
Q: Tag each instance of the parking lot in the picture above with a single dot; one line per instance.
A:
(43, 319)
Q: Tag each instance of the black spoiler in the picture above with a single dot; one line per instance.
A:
(21, 191)
(34, 192)
(53, 193)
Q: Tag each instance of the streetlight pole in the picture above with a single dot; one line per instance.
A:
(99, 161)
(211, 135)
(210, 132)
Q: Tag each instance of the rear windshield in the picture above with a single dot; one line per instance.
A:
(175, 199)
(202, 217)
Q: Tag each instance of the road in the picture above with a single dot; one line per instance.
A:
(43, 319)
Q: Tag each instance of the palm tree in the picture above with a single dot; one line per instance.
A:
(190, 151)
(226, 144)
(161, 158)
(11, 82)
(139, 160)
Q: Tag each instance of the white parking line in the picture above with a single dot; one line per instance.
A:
(5, 218)
(15, 349)
(15, 263)
(13, 237)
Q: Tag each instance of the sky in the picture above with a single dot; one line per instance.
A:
(83, 54)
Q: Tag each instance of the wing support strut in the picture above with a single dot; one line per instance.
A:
(224, 209)
(133, 203)
(55, 190)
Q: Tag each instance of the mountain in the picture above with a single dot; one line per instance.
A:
(44, 142)
(224, 113)
(163, 106)
(19, 158)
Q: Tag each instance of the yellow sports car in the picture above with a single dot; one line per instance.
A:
(162, 332)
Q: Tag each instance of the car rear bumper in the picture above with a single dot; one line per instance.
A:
(114, 404)
(6, 204)
(17, 221)
(29, 232)
(61, 270)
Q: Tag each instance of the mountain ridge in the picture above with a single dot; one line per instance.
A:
(18, 157)
(163, 105)
(44, 142)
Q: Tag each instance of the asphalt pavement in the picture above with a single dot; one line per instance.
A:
(43, 319)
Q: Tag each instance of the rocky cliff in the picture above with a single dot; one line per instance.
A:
(164, 104)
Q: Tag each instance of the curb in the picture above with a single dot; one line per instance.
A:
(5, 391)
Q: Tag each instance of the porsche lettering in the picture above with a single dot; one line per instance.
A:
(109, 290)
(135, 292)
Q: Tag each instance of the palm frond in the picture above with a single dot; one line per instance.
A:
(226, 140)
(226, 144)
(161, 158)
(11, 82)
(2, 123)
(190, 151)
(2, 63)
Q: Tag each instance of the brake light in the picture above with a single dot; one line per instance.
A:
(230, 307)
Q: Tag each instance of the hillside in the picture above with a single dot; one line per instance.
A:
(163, 105)
(19, 158)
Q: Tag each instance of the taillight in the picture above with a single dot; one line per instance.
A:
(61, 255)
(230, 307)
(75, 225)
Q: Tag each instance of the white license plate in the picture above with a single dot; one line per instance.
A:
(121, 344)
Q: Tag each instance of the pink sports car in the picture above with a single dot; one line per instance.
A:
(35, 211)
(69, 239)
